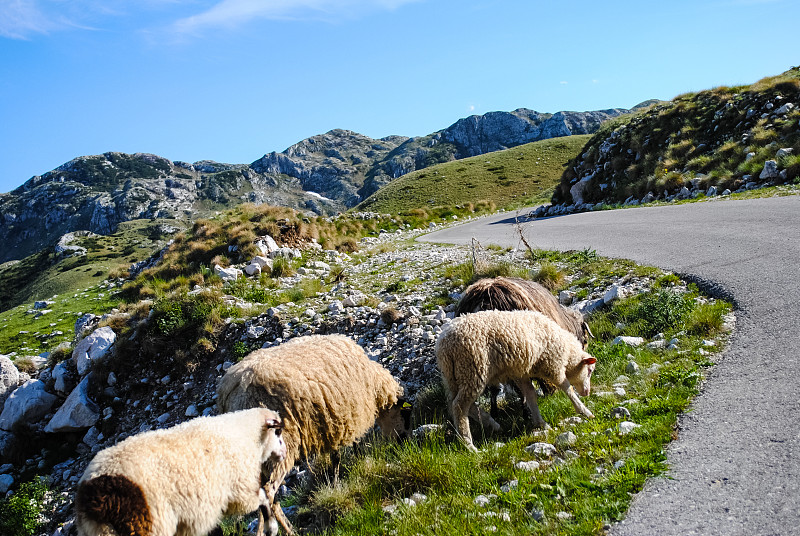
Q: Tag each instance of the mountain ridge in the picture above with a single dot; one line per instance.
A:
(323, 174)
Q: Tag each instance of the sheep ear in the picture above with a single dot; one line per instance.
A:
(589, 361)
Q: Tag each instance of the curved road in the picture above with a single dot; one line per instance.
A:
(735, 467)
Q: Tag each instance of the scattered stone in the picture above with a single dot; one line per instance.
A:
(620, 413)
(26, 404)
(94, 347)
(6, 481)
(508, 486)
(626, 427)
(527, 466)
(630, 341)
(481, 500)
(770, 170)
(567, 439)
(78, 412)
(632, 367)
(541, 449)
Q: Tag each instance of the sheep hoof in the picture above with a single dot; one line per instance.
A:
(588, 414)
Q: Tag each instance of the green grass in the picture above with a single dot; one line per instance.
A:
(42, 275)
(515, 177)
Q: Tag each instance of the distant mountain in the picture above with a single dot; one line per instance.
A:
(323, 174)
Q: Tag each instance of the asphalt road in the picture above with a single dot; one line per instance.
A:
(735, 467)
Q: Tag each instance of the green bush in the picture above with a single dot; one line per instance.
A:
(660, 311)
(20, 513)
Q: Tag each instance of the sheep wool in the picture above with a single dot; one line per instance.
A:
(181, 480)
(326, 390)
(491, 347)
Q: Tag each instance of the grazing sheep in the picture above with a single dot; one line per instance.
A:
(181, 480)
(491, 347)
(515, 294)
(328, 393)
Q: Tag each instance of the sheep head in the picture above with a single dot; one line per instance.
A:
(581, 376)
(395, 421)
(273, 445)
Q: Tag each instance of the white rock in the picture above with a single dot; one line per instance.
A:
(567, 439)
(9, 378)
(227, 274)
(263, 262)
(616, 292)
(356, 299)
(632, 367)
(252, 269)
(254, 332)
(626, 427)
(541, 449)
(630, 341)
(267, 245)
(28, 403)
(527, 466)
(78, 412)
(481, 500)
(565, 297)
(64, 381)
(93, 347)
(770, 170)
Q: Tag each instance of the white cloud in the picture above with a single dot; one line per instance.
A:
(563, 82)
(232, 13)
(19, 19)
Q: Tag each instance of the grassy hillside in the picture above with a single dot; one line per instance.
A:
(519, 176)
(43, 274)
(721, 137)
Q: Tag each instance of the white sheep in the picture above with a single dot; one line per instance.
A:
(491, 347)
(328, 393)
(179, 481)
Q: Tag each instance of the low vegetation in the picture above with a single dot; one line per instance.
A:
(509, 179)
(589, 483)
(720, 137)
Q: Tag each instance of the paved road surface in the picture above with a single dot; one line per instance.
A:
(735, 468)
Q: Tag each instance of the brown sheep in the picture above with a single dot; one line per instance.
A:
(328, 393)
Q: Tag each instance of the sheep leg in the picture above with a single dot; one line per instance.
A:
(272, 510)
(486, 420)
(531, 397)
(459, 409)
(576, 401)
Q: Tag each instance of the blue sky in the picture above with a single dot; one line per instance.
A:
(230, 80)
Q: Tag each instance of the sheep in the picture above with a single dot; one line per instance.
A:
(328, 393)
(490, 347)
(511, 294)
(181, 480)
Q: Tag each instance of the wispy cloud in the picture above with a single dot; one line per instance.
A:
(233, 13)
(19, 19)
(25, 19)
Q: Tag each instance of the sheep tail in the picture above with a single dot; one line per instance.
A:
(116, 501)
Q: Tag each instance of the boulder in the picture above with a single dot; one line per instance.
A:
(616, 292)
(79, 412)
(9, 378)
(770, 170)
(63, 377)
(579, 188)
(263, 262)
(267, 245)
(227, 274)
(252, 269)
(27, 403)
(85, 323)
(93, 348)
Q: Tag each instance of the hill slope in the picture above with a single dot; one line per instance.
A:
(517, 176)
(727, 137)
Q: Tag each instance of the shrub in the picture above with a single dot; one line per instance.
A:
(549, 276)
(20, 513)
(660, 311)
